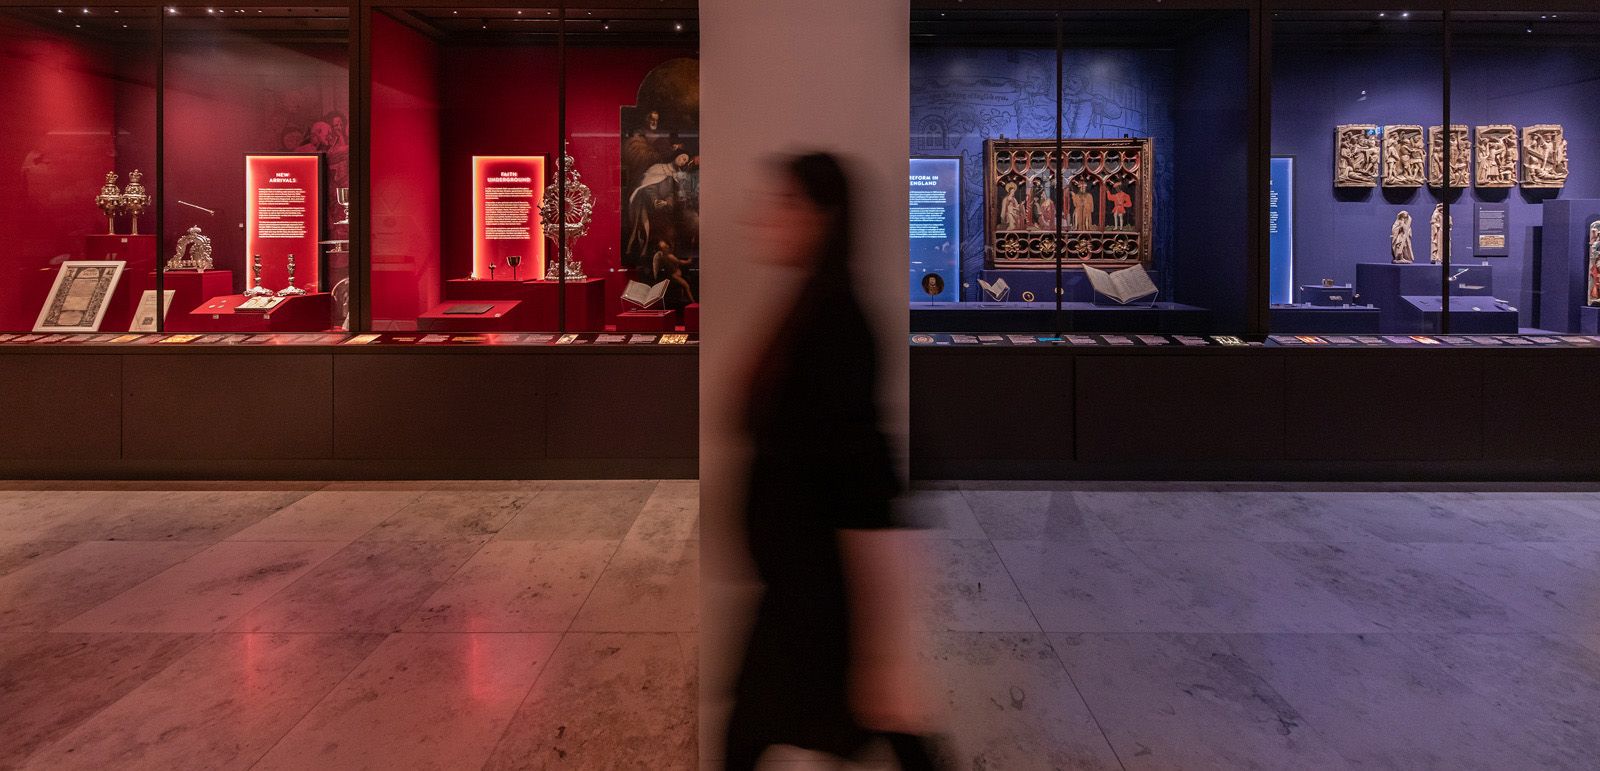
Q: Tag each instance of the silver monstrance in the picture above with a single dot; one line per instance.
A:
(580, 208)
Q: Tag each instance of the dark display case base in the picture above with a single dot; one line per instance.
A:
(1074, 317)
(1313, 319)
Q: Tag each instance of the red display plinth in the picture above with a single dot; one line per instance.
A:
(191, 288)
(647, 321)
(586, 303)
(304, 313)
(503, 317)
(486, 290)
(139, 252)
(691, 317)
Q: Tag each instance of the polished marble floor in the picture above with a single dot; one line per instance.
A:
(554, 625)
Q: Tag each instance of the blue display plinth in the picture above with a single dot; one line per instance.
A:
(1468, 316)
(1312, 319)
(1563, 269)
(1589, 320)
(1327, 296)
(1041, 285)
(1383, 284)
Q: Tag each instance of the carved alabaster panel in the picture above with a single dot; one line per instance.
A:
(1544, 156)
(1594, 263)
(1355, 157)
(1460, 156)
(1404, 156)
(1496, 148)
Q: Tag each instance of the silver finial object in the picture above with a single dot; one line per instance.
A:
(291, 290)
(258, 290)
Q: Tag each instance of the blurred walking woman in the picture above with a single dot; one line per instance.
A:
(827, 667)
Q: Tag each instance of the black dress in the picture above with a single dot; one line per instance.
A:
(821, 464)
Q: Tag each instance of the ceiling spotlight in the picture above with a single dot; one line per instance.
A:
(677, 27)
(1405, 15)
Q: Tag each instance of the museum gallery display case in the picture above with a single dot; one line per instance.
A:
(1304, 235)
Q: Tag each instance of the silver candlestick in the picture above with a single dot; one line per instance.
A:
(291, 290)
(258, 290)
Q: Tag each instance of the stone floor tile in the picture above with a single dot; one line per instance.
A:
(1188, 701)
(206, 592)
(571, 512)
(1382, 704)
(672, 513)
(368, 586)
(16, 556)
(51, 592)
(1008, 703)
(51, 683)
(222, 706)
(1009, 515)
(329, 515)
(1160, 516)
(1390, 585)
(1405, 517)
(1543, 582)
(1239, 586)
(451, 515)
(648, 586)
(418, 701)
(516, 586)
(1076, 586)
(1286, 516)
(164, 515)
(607, 701)
(964, 587)
(1525, 519)
(935, 513)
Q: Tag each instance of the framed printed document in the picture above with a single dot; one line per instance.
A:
(78, 300)
(144, 319)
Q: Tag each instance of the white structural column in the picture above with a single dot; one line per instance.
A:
(784, 76)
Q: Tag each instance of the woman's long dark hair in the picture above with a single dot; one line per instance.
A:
(823, 179)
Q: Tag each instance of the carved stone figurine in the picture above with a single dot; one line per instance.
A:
(1356, 155)
(1497, 156)
(134, 199)
(1403, 156)
(1436, 230)
(110, 202)
(1400, 239)
(1544, 156)
(1594, 264)
(1460, 156)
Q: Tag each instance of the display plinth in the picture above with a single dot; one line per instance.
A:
(191, 288)
(1589, 320)
(586, 304)
(1384, 284)
(303, 313)
(1468, 316)
(138, 252)
(691, 317)
(502, 316)
(1563, 266)
(647, 321)
(487, 290)
(1327, 296)
(1320, 319)
(1040, 285)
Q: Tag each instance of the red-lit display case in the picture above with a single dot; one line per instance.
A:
(478, 224)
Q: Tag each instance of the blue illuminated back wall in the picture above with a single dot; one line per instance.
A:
(961, 97)
(1316, 89)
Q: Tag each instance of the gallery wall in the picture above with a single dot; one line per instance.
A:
(1315, 89)
(56, 145)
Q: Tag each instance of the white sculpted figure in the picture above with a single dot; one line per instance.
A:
(1544, 156)
(1460, 156)
(1356, 156)
(1497, 156)
(1403, 156)
(1400, 239)
(1436, 251)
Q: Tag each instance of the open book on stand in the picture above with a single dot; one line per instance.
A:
(998, 291)
(1124, 286)
(644, 295)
